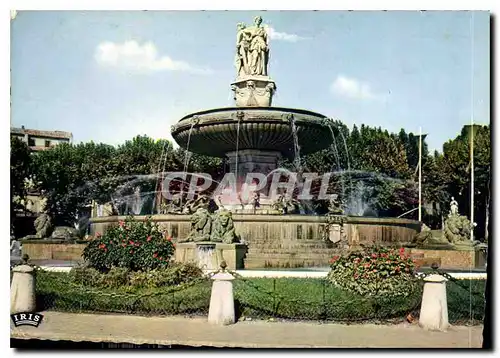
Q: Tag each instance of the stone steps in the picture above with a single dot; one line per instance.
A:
(280, 246)
(260, 263)
(292, 250)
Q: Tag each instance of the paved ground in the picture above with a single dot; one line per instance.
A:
(247, 334)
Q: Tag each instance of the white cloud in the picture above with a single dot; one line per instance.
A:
(352, 88)
(282, 36)
(131, 55)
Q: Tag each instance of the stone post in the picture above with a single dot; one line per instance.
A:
(434, 309)
(22, 290)
(221, 311)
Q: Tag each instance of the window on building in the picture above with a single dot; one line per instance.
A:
(47, 143)
(31, 142)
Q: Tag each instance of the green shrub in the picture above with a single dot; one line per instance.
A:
(136, 245)
(375, 271)
(176, 274)
(117, 277)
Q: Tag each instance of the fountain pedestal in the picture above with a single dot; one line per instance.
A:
(209, 255)
(248, 161)
(253, 91)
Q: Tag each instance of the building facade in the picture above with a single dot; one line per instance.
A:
(38, 140)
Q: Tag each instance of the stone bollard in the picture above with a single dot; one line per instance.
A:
(221, 311)
(434, 309)
(22, 289)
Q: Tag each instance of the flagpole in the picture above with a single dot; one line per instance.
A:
(471, 133)
(420, 176)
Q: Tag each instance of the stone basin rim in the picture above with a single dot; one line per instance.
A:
(266, 218)
(250, 109)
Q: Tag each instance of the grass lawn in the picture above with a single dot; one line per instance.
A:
(288, 298)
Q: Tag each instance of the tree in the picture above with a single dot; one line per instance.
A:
(68, 176)
(20, 165)
(456, 168)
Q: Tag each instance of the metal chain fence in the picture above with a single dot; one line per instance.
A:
(259, 298)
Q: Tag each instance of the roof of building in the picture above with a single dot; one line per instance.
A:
(39, 133)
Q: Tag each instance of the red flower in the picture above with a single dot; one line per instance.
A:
(121, 223)
(149, 238)
(374, 256)
(366, 265)
(155, 255)
(102, 246)
(131, 242)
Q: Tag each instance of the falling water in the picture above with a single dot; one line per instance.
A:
(346, 151)
(296, 146)
(205, 255)
(237, 147)
(356, 204)
(137, 201)
(236, 161)
(337, 158)
(187, 156)
(334, 146)
(159, 175)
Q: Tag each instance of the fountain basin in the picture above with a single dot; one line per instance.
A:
(214, 132)
(291, 240)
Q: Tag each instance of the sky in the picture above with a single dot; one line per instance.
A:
(108, 76)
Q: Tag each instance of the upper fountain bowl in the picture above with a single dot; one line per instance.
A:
(214, 132)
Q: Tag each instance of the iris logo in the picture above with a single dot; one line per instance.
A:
(26, 319)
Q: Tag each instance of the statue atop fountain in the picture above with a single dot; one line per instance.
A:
(252, 135)
(253, 87)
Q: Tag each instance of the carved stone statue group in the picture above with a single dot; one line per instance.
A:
(252, 49)
(218, 227)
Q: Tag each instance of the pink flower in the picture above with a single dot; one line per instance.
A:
(121, 223)
(148, 239)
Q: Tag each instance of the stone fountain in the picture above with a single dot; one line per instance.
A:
(253, 136)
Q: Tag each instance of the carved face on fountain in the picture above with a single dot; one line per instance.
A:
(224, 217)
(199, 218)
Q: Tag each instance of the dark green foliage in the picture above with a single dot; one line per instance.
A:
(375, 271)
(135, 245)
(119, 277)
(20, 169)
